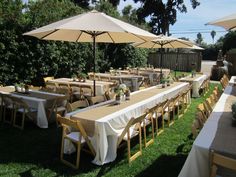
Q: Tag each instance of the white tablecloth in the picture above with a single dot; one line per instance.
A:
(196, 84)
(38, 104)
(101, 86)
(107, 128)
(232, 80)
(197, 163)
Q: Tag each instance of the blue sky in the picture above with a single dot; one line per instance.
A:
(190, 23)
(195, 19)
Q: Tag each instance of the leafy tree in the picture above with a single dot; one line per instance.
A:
(229, 41)
(82, 3)
(199, 39)
(162, 13)
(213, 34)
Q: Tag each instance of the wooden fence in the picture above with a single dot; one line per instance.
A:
(180, 61)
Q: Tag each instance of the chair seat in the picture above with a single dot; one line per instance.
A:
(61, 109)
(74, 136)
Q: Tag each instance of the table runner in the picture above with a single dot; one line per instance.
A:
(105, 123)
(100, 112)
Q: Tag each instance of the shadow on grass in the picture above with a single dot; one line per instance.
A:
(36, 147)
(39, 150)
(169, 165)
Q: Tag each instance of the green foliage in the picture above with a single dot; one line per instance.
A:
(229, 41)
(27, 59)
(162, 13)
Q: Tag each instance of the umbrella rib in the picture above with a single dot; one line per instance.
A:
(111, 37)
(79, 36)
(49, 33)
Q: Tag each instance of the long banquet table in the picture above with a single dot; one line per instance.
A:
(128, 79)
(217, 134)
(35, 99)
(105, 122)
(196, 81)
(101, 86)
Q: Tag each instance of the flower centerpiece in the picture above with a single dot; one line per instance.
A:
(120, 92)
(74, 77)
(82, 77)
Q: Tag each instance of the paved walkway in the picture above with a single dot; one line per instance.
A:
(206, 67)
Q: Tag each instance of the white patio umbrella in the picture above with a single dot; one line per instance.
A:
(93, 27)
(163, 41)
(228, 22)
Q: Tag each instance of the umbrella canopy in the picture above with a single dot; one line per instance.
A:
(228, 22)
(93, 27)
(163, 41)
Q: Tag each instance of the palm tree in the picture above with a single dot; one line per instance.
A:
(213, 33)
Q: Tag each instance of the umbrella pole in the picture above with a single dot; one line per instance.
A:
(94, 64)
(176, 61)
(161, 62)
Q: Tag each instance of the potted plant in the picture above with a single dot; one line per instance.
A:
(74, 77)
(82, 77)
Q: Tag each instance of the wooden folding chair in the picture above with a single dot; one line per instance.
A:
(158, 116)
(183, 102)
(97, 99)
(77, 136)
(171, 109)
(209, 104)
(195, 128)
(222, 161)
(132, 129)
(46, 79)
(7, 107)
(77, 105)
(148, 121)
(203, 115)
(19, 106)
(59, 106)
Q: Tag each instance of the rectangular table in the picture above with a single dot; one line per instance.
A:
(105, 122)
(101, 86)
(130, 80)
(35, 99)
(196, 81)
(217, 134)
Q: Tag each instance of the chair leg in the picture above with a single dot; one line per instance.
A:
(213, 171)
(5, 120)
(22, 124)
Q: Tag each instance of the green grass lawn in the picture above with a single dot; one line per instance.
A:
(35, 152)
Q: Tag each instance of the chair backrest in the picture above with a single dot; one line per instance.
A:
(86, 90)
(97, 99)
(132, 122)
(223, 161)
(46, 79)
(77, 104)
(161, 106)
(203, 112)
(6, 99)
(19, 103)
(209, 104)
(195, 127)
(77, 126)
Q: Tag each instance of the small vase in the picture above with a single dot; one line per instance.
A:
(118, 100)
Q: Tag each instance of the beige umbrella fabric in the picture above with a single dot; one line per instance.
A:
(163, 41)
(228, 22)
(93, 27)
(82, 27)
